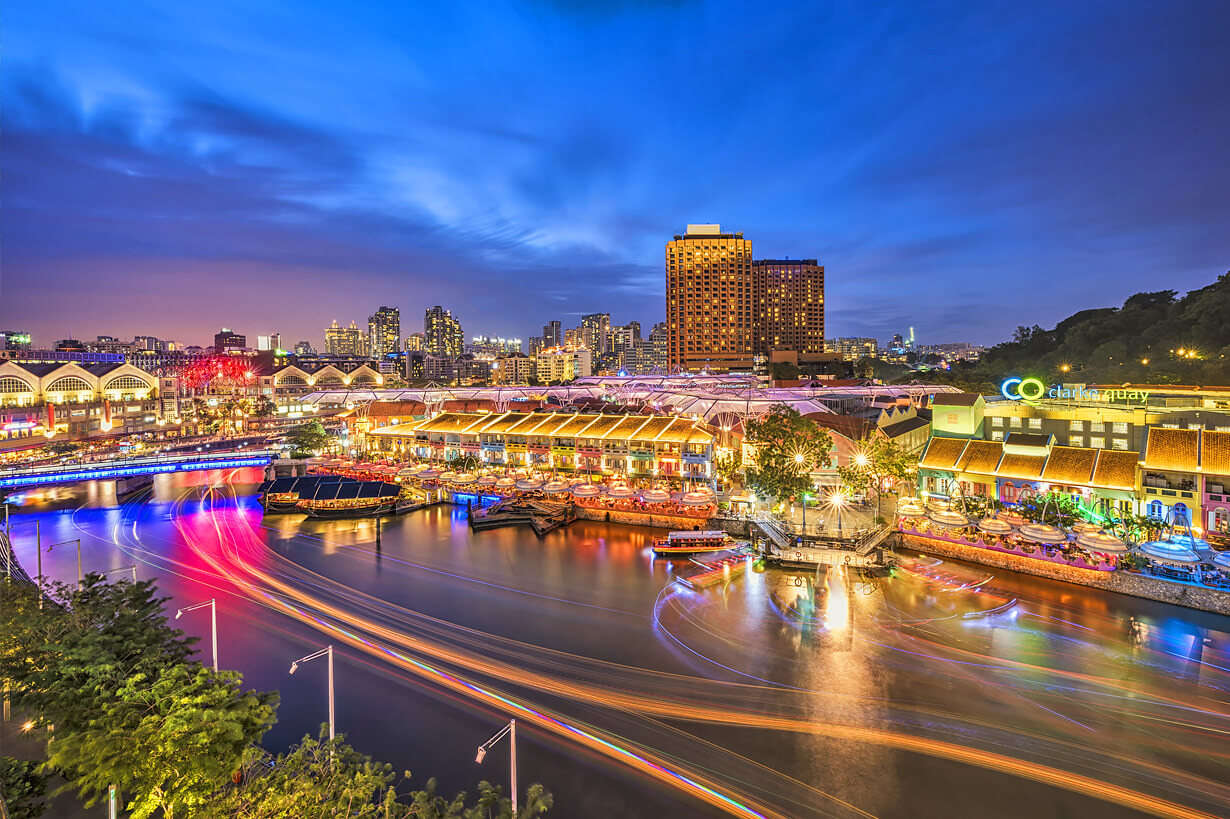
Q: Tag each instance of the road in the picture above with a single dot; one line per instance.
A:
(946, 690)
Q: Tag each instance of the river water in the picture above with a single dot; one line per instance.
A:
(944, 690)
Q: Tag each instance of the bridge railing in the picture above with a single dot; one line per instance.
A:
(186, 457)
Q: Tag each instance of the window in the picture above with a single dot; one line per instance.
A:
(1170, 426)
(1076, 426)
(1097, 426)
(1076, 440)
(1119, 443)
(1097, 443)
(1119, 428)
(8, 384)
(997, 435)
(997, 421)
(1035, 423)
(1014, 422)
(1195, 426)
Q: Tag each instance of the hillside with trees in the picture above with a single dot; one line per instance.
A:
(1155, 338)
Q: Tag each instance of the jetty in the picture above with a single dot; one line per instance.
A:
(542, 516)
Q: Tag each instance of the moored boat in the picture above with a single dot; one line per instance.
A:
(692, 543)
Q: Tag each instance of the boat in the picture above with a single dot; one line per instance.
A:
(692, 543)
(354, 499)
(282, 495)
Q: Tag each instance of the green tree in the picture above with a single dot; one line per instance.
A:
(307, 439)
(22, 788)
(878, 465)
(787, 447)
(728, 467)
(82, 645)
(170, 740)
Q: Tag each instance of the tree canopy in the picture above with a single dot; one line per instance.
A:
(1157, 338)
(307, 439)
(787, 448)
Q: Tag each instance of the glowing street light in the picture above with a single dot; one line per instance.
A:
(327, 651)
(511, 730)
(213, 621)
(837, 500)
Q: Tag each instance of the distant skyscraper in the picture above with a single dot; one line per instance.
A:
(344, 341)
(384, 331)
(710, 311)
(414, 343)
(227, 340)
(304, 348)
(854, 348)
(442, 335)
(599, 326)
(271, 342)
(551, 334)
(488, 347)
(789, 296)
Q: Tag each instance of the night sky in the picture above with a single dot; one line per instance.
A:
(169, 168)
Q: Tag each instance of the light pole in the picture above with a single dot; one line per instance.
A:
(511, 730)
(837, 500)
(213, 620)
(327, 651)
(76, 540)
(132, 568)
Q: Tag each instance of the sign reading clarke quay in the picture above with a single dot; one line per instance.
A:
(1032, 390)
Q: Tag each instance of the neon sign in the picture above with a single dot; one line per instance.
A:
(1031, 390)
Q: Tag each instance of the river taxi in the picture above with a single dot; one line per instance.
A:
(687, 543)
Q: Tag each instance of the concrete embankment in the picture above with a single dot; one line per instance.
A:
(1136, 585)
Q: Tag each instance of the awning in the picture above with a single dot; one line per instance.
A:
(655, 496)
(588, 490)
(994, 526)
(949, 518)
(696, 498)
(1101, 542)
(1043, 533)
(1170, 551)
(555, 487)
(529, 484)
(620, 492)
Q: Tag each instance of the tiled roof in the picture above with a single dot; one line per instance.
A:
(982, 456)
(853, 427)
(955, 399)
(687, 433)
(1021, 466)
(1175, 449)
(453, 422)
(573, 426)
(40, 370)
(603, 425)
(1215, 452)
(1033, 439)
(1115, 469)
(625, 429)
(942, 453)
(1070, 464)
(898, 428)
(656, 427)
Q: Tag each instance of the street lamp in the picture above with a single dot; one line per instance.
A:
(76, 540)
(327, 651)
(837, 500)
(511, 730)
(213, 621)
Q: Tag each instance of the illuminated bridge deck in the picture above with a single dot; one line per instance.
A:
(129, 467)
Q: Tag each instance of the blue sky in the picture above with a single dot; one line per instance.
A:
(169, 168)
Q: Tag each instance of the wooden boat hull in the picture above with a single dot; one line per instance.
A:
(663, 549)
(344, 513)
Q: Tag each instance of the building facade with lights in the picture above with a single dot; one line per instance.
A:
(634, 446)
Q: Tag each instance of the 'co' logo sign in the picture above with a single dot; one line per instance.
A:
(1022, 389)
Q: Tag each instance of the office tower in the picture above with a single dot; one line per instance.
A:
(599, 327)
(384, 331)
(344, 341)
(710, 311)
(491, 347)
(442, 335)
(789, 296)
(551, 334)
(557, 365)
(271, 342)
(229, 341)
(854, 348)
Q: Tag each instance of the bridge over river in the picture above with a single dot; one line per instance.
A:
(119, 468)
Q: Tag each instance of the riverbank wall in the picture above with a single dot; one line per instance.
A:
(672, 522)
(1189, 595)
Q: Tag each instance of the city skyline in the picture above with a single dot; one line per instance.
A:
(143, 151)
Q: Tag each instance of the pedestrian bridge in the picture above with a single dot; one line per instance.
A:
(28, 477)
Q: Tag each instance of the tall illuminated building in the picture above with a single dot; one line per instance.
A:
(344, 341)
(442, 335)
(384, 331)
(599, 327)
(710, 303)
(789, 296)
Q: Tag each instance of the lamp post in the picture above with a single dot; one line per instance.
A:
(511, 730)
(837, 500)
(76, 540)
(213, 621)
(327, 651)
